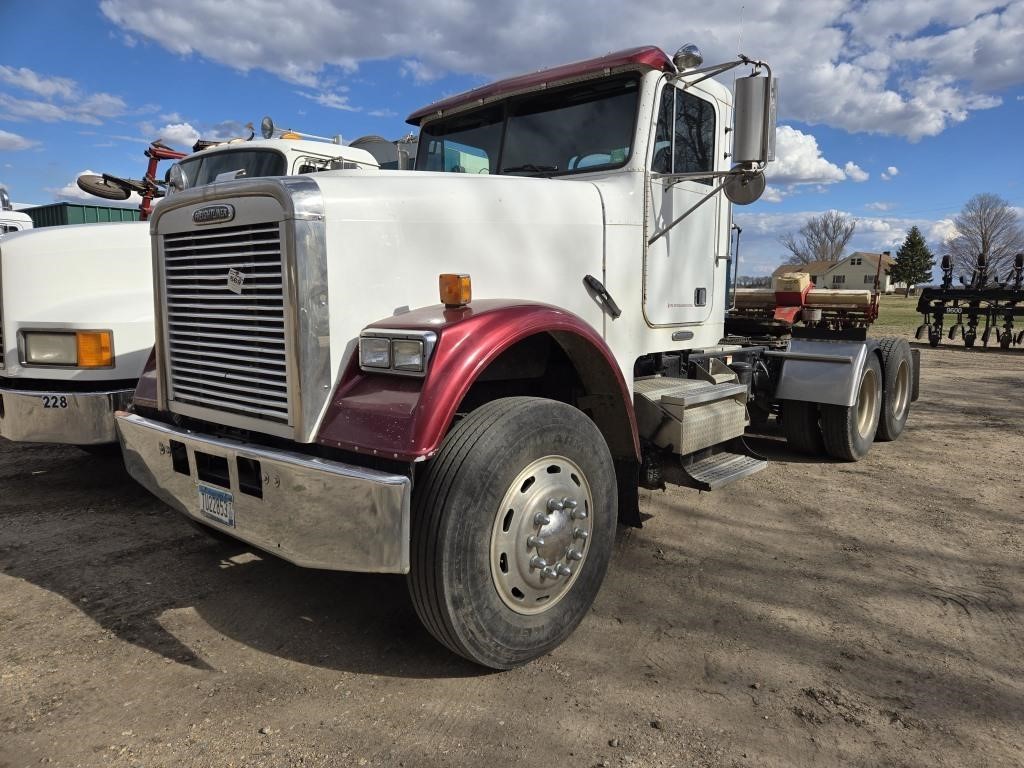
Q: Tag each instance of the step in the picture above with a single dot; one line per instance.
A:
(721, 469)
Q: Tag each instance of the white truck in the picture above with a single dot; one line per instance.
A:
(464, 373)
(10, 219)
(76, 302)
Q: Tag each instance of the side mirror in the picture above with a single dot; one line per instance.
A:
(754, 120)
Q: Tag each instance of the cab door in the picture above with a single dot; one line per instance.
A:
(679, 268)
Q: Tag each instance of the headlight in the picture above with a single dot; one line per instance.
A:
(396, 351)
(69, 349)
(408, 354)
(51, 349)
(374, 352)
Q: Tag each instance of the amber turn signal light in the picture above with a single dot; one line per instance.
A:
(456, 290)
(95, 349)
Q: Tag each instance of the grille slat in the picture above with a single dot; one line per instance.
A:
(227, 350)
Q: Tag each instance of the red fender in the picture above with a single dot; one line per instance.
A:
(406, 418)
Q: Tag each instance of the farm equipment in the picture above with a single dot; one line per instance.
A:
(981, 307)
(769, 314)
(149, 187)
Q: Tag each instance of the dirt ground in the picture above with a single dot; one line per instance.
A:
(817, 613)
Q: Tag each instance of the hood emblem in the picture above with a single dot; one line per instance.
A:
(213, 214)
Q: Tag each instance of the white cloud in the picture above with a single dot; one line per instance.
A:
(10, 142)
(330, 100)
(890, 173)
(879, 206)
(910, 68)
(855, 173)
(178, 135)
(800, 163)
(41, 85)
(72, 193)
(63, 101)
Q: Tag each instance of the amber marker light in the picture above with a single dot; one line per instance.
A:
(456, 290)
(95, 349)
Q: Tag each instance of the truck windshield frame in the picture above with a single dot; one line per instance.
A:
(254, 161)
(579, 128)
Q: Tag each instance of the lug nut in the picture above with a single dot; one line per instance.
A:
(541, 519)
(534, 541)
(564, 570)
(579, 533)
(572, 554)
(554, 505)
(550, 572)
(538, 562)
(578, 514)
(569, 503)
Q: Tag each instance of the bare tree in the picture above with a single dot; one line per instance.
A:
(822, 238)
(987, 224)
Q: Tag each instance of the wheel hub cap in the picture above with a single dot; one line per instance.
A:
(540, 537)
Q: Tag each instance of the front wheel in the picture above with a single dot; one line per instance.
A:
(512, 530)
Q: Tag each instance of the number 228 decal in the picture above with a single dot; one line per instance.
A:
(55, 401)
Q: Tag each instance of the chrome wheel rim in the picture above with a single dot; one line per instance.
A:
(541, 535)
(901, 393)
(867, 402)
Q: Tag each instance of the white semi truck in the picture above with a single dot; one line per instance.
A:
(465, 372)
(76, 302)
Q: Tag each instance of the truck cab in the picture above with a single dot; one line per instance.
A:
(463, 373)
(76, 302)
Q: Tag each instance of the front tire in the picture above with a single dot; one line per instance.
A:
(850, 430)
(513, 523)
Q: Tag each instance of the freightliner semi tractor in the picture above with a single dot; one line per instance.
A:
(464, 373)
(76, 302)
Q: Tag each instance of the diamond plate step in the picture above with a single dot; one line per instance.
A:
(721, 469)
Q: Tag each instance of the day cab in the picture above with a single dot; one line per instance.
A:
(76, 302)
(464, 372)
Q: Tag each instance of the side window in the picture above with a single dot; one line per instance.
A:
(684, 140)
(662, 160)
(5, 228)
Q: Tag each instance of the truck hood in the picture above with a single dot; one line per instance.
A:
(88, 276)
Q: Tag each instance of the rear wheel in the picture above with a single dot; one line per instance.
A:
(800, 426)
(848, 431)
(512, 530)
(897, 367)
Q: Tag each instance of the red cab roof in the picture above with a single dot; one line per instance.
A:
(648, 56)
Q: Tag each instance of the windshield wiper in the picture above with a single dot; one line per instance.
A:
(530, 167)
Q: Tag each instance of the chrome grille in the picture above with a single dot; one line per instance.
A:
(226, 350)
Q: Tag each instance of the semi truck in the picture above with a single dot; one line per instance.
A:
(76, 301)
(465, 372)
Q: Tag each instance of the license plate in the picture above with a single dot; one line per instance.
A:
(217, 505)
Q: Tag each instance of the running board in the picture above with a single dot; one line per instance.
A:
(710, 472)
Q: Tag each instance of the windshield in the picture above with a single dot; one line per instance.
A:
(238, 164)
(576, 129)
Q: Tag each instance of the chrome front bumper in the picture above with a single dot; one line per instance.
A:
(313, 512)
(74, 418)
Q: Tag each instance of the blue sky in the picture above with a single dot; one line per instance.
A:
(894, 113)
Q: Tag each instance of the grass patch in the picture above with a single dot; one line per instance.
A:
(897, 316)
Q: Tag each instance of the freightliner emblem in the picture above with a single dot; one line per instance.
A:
(212, 214)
